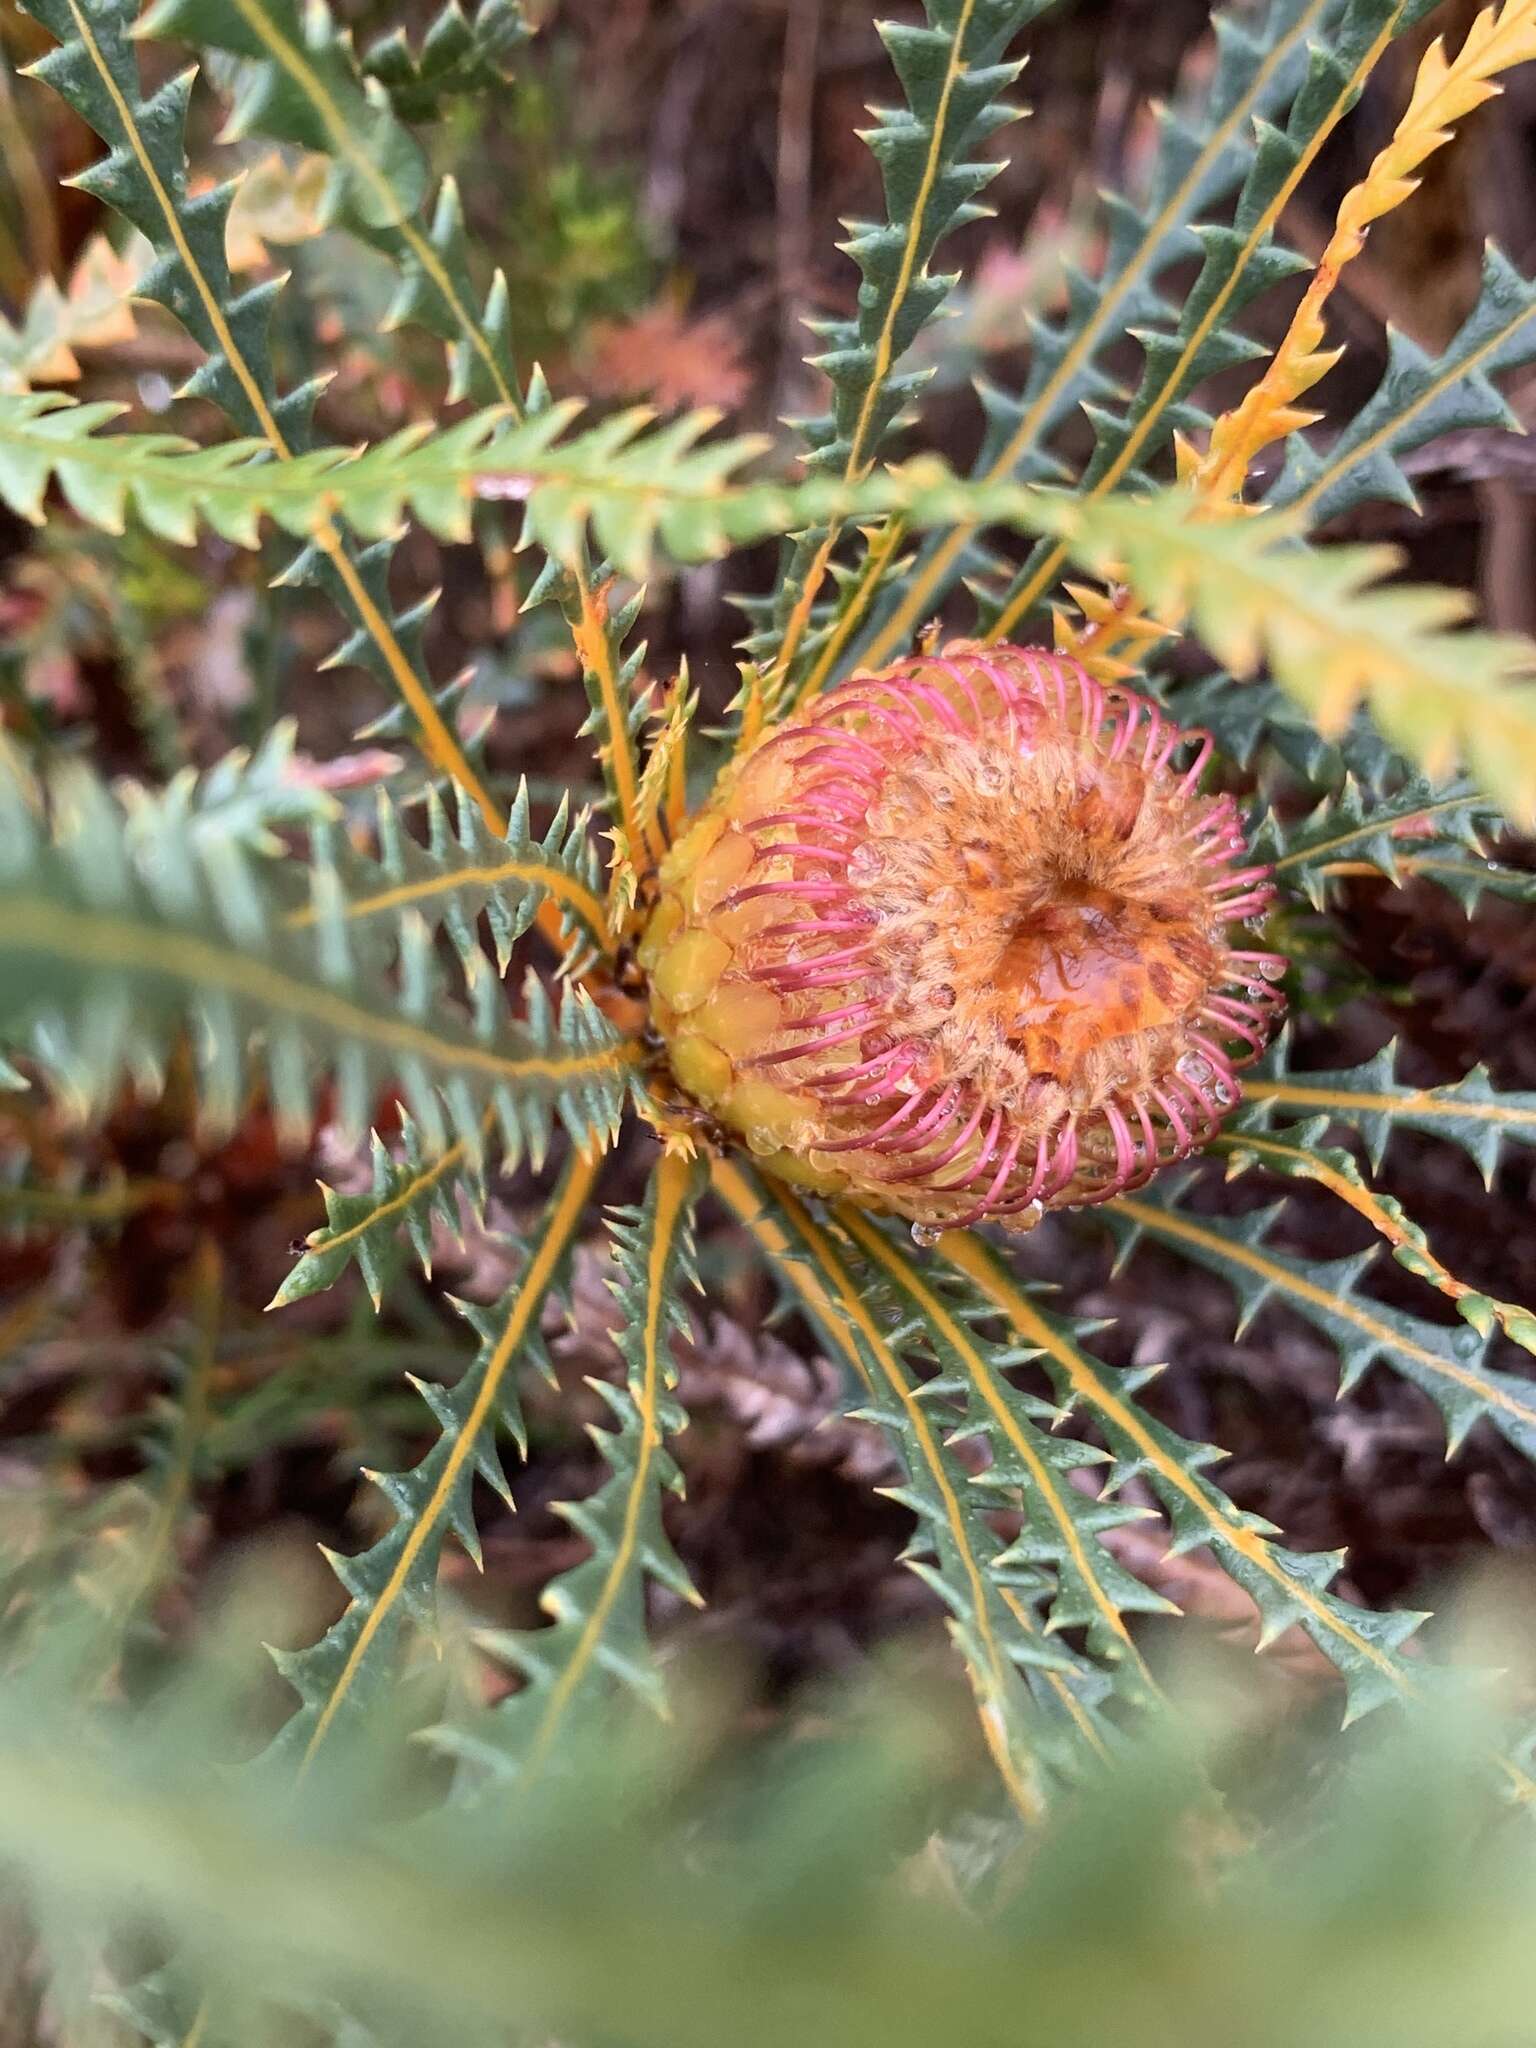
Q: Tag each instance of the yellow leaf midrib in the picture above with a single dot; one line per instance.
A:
(966, 1252)
(919, 597)
(1169, 1223)
(984, 1379)
(563, 1217)
(1412, 1102)
(554, 881)
(40, 925)
(1370, 828)
(835, 1315)
(673, 1176)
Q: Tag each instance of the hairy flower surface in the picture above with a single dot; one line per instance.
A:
(968, 942)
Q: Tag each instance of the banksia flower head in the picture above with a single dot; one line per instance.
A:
(967, 942)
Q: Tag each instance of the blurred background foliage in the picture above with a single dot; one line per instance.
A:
(844, 1879)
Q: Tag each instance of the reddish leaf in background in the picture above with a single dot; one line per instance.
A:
(665, 357)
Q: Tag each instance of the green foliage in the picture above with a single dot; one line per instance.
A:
(237, 942)
(1449, 1365)
(1298, 1152)
(1470, 1113)
(1378, 1907)
(1418, 820)
(144, 178)
(640, 486)
(1419, 398)
(459, 55)
(302, 87)
(459, 874)
(1086, 1586)
(349, 1672)
(952, 80)
(1225, 138)
(596, 1631)
(118, 930)
(407, 1195)
(1289, 1588)
(988, 1595)
(1239, 261)
(1333, 635)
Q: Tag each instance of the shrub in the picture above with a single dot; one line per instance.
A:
(950, 926)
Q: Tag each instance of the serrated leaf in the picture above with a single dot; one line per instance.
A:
(1064, 1526)
(1289, 59)
(1446, 89)
(1471, 1113)
(596, 1635)
(1358, 829)
(642, 489)
(1449, 1365)
(952, 76)
(144, 178)
(461, 873)
(111, 948)
(1300, 1154)
(1418, 399)
(353, 1665)
(1054, 1721)
(305, 86)
(301, 86)
(1332, 633)
(458, 55)
(1240, 260)
(407, 1195)
(1288, 1587)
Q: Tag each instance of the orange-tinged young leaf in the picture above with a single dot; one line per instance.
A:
(1445, 91)
(1114, 636)
(94, 310)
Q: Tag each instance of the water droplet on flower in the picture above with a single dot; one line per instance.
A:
(1027, 1218)
(865, 862)
(1272, 967)
(925, 1237)
(944, 797)
(1190, 1067)
(990, 777)
(1255, 991)
(943, 997)
(1223, 1094)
